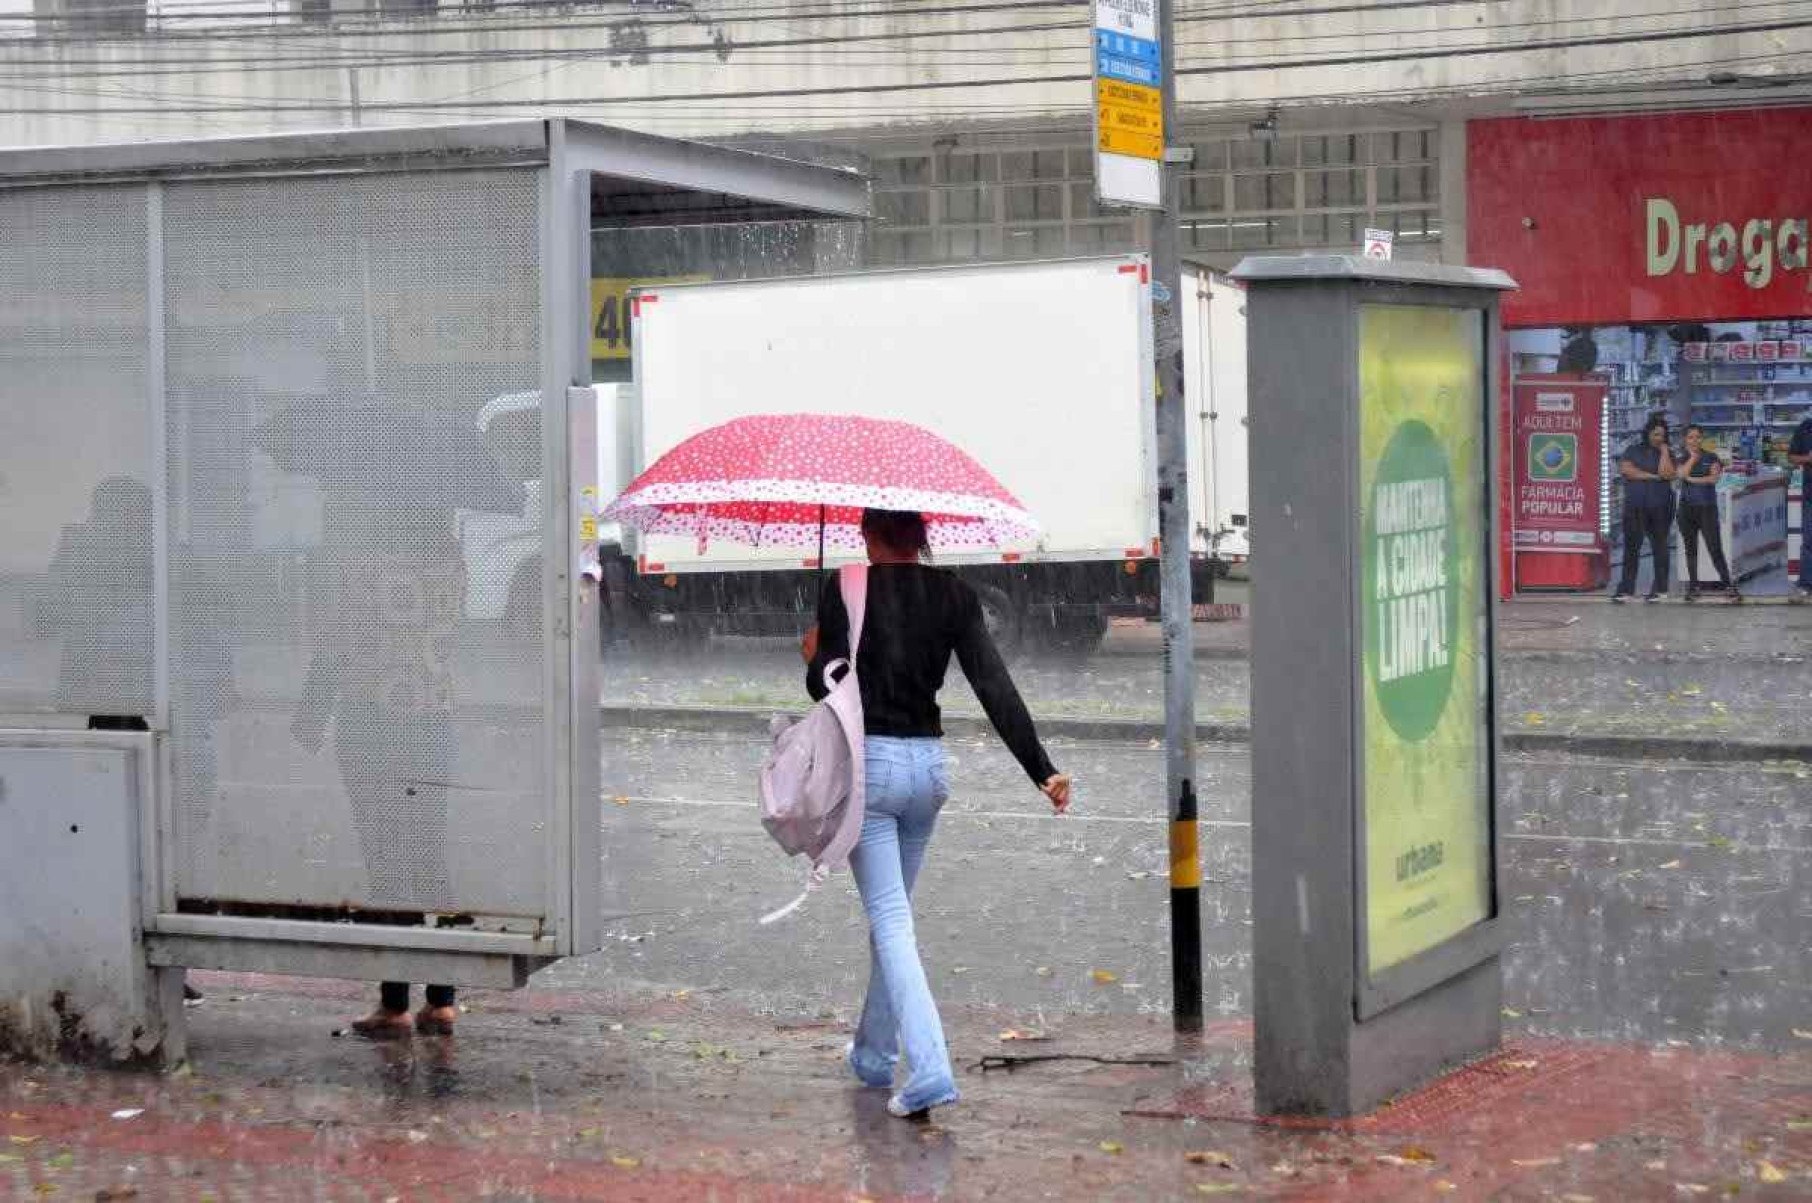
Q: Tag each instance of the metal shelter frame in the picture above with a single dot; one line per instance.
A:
(574, 162)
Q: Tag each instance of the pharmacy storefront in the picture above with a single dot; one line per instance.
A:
(1662, 263)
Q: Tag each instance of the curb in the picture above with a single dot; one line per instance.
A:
(753, 721)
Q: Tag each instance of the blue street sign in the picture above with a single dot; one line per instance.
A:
(1126, 70)
(1122, 45)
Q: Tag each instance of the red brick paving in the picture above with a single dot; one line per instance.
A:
(729, 1105)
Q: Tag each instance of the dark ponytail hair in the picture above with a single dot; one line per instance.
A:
(899, 530)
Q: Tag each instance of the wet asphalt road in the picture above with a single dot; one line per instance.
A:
(1649, 902)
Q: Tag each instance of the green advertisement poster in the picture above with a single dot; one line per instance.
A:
(1426, 739)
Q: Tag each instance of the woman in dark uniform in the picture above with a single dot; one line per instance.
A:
(1647, 468)
(1699, 514)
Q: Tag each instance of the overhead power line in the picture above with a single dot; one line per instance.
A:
(760, 53)
(1009, 115)
(280, 105)
(461, 23)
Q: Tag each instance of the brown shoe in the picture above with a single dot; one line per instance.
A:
(436, 1021)
(383, 1025)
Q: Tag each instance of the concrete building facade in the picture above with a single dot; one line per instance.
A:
(1309, 121)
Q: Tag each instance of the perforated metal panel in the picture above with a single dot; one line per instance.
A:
(75, 453)
(350, 728)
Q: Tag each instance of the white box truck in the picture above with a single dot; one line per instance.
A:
(1041, 371)
(1214, 365)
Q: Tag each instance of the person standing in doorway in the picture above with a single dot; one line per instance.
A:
(1647, 468)
(1699, 514)
(917, 617)
(1799, 454)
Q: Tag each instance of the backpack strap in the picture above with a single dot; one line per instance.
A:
(853, 579)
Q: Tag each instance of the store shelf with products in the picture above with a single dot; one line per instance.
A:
(1750, 394)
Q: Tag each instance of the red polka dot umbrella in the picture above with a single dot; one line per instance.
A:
(803, 480)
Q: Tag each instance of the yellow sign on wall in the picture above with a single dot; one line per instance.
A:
(610, 312)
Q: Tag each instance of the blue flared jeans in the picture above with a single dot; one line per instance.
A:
(907, 785)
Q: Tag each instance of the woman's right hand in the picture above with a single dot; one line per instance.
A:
(1057, 789)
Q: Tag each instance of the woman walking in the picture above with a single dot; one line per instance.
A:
(917, 616)
(1699, 514)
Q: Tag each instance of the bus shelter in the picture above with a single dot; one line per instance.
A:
(255, 710)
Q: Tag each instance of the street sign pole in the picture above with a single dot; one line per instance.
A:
(1135, 113)
(1176, 599)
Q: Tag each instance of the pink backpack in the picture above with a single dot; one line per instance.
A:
(812, 783)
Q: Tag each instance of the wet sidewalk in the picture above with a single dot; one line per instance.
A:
(665, 1095)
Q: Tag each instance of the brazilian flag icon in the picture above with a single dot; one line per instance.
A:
(1553, 456)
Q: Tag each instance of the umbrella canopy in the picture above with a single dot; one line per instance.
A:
(803, 480)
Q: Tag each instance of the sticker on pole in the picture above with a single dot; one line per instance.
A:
(1378, 244)
(1129, 104)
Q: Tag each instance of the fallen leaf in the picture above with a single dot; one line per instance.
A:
(1672, 864)
(959, 969)
(1417, 1153)
(1585, 1148)
(1692, 1188)
(621, 800)
(62, 1161)
(1510, 1013)
(44, 1188)
(1112, 1146)
(681, 995)
(128, 1113)
(623, 1162)
(1535, 718)
(1654, 1165)
(589, 1133)
(1016, 1034)
(1769, 1172)
(416, 1137)
(10, 1157)
(1522, 1064)
(1534, 1163)
(1691, 691)
(1213, 1157)
(1718, 841)
(1799, 1125)
(1043, 971)
(1104, 978)
(657, 1035)
(1446, 1187)
(23, 1140)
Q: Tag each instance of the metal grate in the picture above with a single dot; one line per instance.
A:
(356, 717)
(76, 633)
